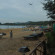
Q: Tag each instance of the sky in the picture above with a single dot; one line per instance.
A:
(22, 11)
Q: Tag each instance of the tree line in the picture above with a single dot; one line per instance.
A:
(29, 23)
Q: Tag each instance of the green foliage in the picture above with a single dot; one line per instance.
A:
(49, 5)
(30, 23)
(50, 39)
(51, 42)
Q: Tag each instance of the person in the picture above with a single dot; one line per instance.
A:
(11, 34)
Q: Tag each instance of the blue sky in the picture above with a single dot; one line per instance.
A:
(21, 11)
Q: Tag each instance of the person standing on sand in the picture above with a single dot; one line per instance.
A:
(11, 34)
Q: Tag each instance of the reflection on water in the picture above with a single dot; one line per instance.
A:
(9, 26)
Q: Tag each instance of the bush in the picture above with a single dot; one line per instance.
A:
(51, 41)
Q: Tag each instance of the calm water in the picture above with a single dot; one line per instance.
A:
(9, 26)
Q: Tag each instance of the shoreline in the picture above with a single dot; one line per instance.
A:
(10, 46)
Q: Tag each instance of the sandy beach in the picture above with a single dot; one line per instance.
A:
(10, 46)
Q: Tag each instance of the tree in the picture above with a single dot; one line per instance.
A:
(49, 6)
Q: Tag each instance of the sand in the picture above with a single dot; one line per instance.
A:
(10, 46)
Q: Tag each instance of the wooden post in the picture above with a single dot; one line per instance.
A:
(34, 53)
(24, 54)
(44, 48)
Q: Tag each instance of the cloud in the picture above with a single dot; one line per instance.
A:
(20, 10)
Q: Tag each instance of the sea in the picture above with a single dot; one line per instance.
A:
(11, 26)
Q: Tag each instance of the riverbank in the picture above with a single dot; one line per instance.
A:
(10, 46)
